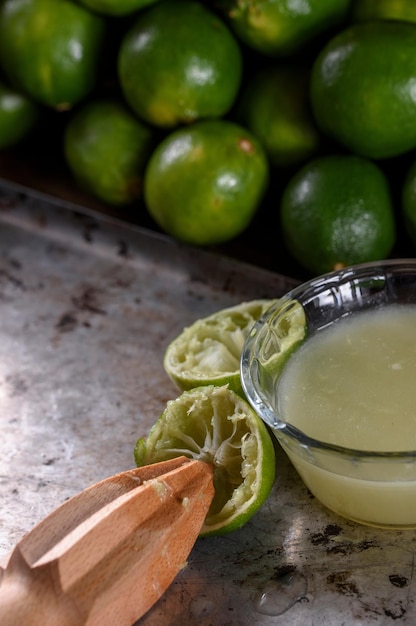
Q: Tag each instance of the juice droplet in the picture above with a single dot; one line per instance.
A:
(280, 594)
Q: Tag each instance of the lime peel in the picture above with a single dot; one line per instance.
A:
(208, 351)
(288, 330)
(215, 425)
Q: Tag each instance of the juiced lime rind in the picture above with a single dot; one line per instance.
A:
(208, 352)
(287, 330)
(215, 425)
(269, 346)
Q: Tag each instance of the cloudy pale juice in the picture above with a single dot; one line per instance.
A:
(353, 385)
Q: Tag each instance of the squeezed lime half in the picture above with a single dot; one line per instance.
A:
(208, 352)
(215, 425)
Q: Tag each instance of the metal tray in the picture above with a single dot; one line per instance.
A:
(87, 307)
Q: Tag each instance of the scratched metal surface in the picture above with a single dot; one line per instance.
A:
(87, 307)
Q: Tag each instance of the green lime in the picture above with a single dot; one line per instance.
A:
(275, 107)
(204, 182)
(116, 7)
(409, 201)
(178, 63)
(404, 10)
(18, 115)
(107, 149)
(337, 211)
(215, 425)
(280, 27)
(50, 49)
(364, 97)
(208, 351)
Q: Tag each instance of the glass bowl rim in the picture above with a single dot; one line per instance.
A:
(258, 401)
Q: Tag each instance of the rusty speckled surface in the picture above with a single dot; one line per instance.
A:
(88, 306)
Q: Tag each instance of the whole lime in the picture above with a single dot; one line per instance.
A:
(178, 63)
(362, 88)
(18, 115)
(204, 183)
(404, 10)
(50, 49)
(281, 27)
(275, 107)
(107, 148)
(116, 7)
(337, 211)
(409, 201)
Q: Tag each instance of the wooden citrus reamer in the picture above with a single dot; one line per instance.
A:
(106, 555)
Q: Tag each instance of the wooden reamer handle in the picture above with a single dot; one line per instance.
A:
(106, 556)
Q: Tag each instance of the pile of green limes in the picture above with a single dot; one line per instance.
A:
(211, 114)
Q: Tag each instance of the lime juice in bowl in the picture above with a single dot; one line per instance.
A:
(342, 401)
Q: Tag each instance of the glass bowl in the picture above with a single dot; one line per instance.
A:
(372, 481)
